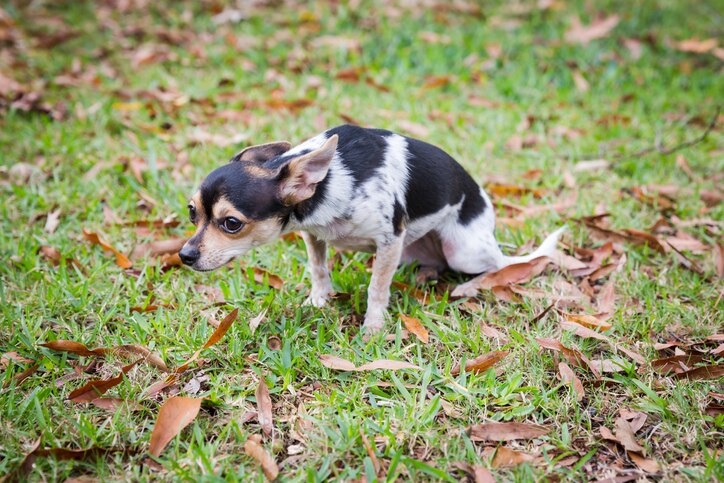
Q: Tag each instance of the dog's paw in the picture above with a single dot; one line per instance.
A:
(371, 327)
(318, 299)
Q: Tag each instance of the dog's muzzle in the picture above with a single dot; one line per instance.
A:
(189, 255)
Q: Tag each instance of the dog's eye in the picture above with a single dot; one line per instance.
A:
(192, 213)
(231, 224)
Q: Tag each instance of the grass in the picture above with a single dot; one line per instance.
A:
(229, 79)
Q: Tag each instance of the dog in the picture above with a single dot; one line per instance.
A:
(354, 188)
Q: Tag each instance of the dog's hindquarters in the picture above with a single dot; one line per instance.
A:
(471, 247)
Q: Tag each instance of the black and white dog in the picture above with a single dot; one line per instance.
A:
(356, 188)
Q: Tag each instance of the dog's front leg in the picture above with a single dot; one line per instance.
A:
(321, 283)
(378, 294)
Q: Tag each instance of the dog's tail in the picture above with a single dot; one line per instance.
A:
(547, 248)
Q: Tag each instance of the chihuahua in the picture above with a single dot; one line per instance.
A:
(355, 188)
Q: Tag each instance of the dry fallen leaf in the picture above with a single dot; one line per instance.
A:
(171, 379)
(506, 457)
(588, 321)
(52, 221)
(515, 273)
(696, 46)
(253, 448)
(98, 387)
(703, 372)
(339, 364)
(583, 34)
(121, 260)
(568, 376)
(264, 408)
(175, 414)
(573, 356)
(126, 349)
(413, 325)
(254, 323)
(481, 363)
(260, 275)
(505, 431)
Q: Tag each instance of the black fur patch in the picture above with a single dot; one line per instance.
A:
(399, 217)
(362, 150)
(255, 197)
(437, 180)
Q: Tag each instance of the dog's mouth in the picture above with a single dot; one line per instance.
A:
(197, 268)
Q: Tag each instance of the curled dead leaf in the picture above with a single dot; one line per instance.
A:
(121, 260)
(264, 408)
(253, 448)
(413, 325)
(481, 363)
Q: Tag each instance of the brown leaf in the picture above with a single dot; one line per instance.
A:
(72, 347)
(624, 435)
(588, 321)
(370, 451)
(274, 280)
(81, 350)
(339, 364)
(583, 34)
(52, 255)
(219, 332)
(647, 464)
(505, 431)
(568, 376)
(606, 298)
(254, 323)
(704, 372)
(417, 294)
(52, 221)
(257, 451)
(592, 165)
(264, 408)
(696, 46)
(22, 375)
(98, 387)
(481, 363)
(719, 256)
(505, 190)
(13, 356)
(506, 457)
(413, 325)
(506, 294)
(121, 260)
(573, 356)
(175, 414)
(676, 363)
(515, 273)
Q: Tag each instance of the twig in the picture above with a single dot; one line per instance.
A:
(657, 147)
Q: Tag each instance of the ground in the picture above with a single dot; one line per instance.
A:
(112, 112)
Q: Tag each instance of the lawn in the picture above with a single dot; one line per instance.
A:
(112, 112)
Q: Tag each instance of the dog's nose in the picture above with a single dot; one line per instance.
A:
(189, 255)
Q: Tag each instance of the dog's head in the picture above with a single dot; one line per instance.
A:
(243, 204)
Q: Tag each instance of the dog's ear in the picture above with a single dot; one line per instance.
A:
(299, 179)
(262, 152)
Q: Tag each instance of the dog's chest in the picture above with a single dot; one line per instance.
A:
(349, 233)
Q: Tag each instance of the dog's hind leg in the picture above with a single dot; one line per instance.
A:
(378, 293)
(321, 283)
